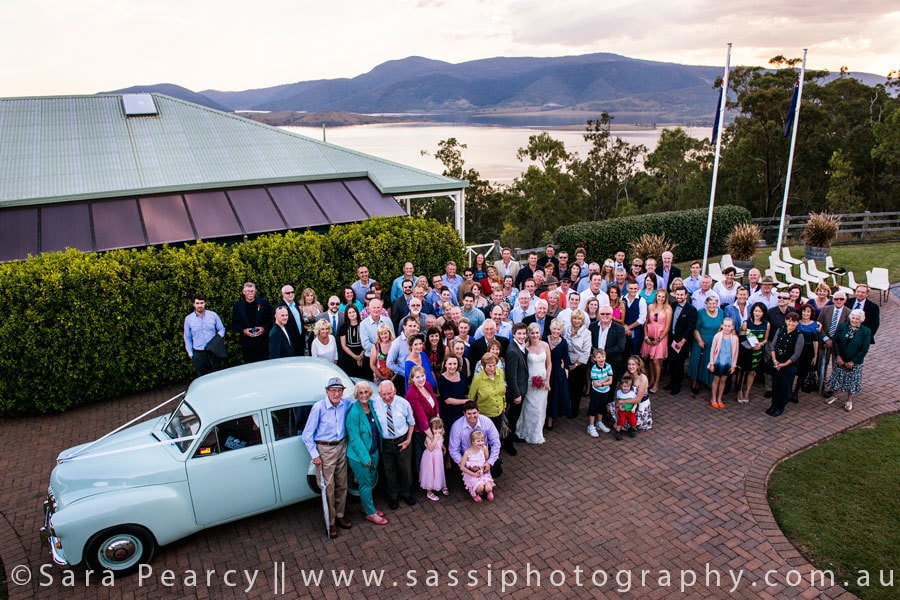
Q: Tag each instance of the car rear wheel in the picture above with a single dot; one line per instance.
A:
(120, 549)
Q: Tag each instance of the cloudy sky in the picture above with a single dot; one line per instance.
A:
(86, 46)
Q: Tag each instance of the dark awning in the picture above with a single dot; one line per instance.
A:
(96, 225)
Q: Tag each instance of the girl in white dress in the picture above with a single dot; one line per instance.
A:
(534, 407)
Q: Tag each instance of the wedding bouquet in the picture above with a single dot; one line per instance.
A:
(537, 382)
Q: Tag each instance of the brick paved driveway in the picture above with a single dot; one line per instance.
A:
(689, 495)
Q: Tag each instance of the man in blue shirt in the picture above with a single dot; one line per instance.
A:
(200, 327)
(325, 437)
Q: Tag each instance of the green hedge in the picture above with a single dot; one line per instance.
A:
(80, 328)
(686, 227)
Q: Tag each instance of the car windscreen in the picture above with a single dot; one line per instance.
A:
(184, 423)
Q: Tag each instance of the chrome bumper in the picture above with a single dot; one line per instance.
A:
(56, 551)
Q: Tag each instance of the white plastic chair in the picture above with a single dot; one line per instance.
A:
(877, 279)
(851, 281)
(791, 280)
(815, 272)
(786, 257)
(726, 262)
(805, 276)
(776, 264)
(715, 271)
(778, 283)
(810, 294)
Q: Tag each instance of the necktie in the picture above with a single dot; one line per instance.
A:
(834, 322)
(858, 305)
(390, 422)
(334, 323)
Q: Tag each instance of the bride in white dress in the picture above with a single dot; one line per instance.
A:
(534, 407)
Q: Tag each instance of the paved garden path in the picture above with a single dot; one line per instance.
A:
(686, 499)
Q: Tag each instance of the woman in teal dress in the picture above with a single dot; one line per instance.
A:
(708, 323)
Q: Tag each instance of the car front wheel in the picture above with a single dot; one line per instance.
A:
(120, 549)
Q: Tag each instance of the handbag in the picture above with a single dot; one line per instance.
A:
(504, 426)
(810, 382)
(216, 347)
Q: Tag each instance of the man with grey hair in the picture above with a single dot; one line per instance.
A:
(698, 298)
(397, 422)
(829, 318)
(669, 271)
(540, 317)
(251, 317)
(522, 308)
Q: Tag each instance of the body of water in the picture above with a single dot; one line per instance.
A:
(491, 149)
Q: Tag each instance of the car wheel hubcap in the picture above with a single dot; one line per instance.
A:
(119, 551)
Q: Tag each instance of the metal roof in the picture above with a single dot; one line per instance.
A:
(90, 173)
(59, 149)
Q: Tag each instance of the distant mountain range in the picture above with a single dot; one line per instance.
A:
(632, 90)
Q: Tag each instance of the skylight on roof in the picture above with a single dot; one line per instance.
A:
(138, 105)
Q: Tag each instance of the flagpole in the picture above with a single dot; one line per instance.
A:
(787, 179)
(720, 118)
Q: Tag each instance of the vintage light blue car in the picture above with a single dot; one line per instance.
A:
(230, 449)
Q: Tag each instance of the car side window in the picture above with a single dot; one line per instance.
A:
(289, 422)
(231, 434)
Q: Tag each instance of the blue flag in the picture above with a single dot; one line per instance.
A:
(789, 121)
(715, 131)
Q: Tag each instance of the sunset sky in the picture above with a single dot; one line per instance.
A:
(56, 47)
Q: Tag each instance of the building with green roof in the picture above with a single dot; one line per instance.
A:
(122, 171)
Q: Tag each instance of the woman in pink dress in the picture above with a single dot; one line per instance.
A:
(656, 336)
(431, 469)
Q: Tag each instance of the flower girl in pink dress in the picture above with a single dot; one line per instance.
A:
(431, 469)
(475, 469)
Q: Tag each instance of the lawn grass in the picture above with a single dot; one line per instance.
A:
(839, 504)
(854, 257)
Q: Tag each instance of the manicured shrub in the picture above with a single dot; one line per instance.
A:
(687, 228)
(80, 328)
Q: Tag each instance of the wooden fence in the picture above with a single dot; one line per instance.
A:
(854, 228)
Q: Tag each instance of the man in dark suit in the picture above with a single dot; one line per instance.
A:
(333, 315)
(871, 310)
(539, 317)
(516, 382)
(829, 319)
(684, 322)
(294, 325)
(609, 335)
(479, 347)
(252, 319)
(668, 271)
(279, 341)
(400, 306)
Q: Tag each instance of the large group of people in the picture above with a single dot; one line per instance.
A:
(501, 352)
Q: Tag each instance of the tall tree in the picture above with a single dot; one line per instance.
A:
(608, 173)
(484, 211)
(543, 197)
(678, 172)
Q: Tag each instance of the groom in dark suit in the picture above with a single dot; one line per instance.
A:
(516, 382)
(610, 336)
(684, 322)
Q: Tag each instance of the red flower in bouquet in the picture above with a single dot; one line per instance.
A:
(537, 382)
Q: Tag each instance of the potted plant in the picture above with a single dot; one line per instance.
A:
(819, 234)
(741, 244)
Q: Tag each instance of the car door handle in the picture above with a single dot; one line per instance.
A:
(261, 456)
